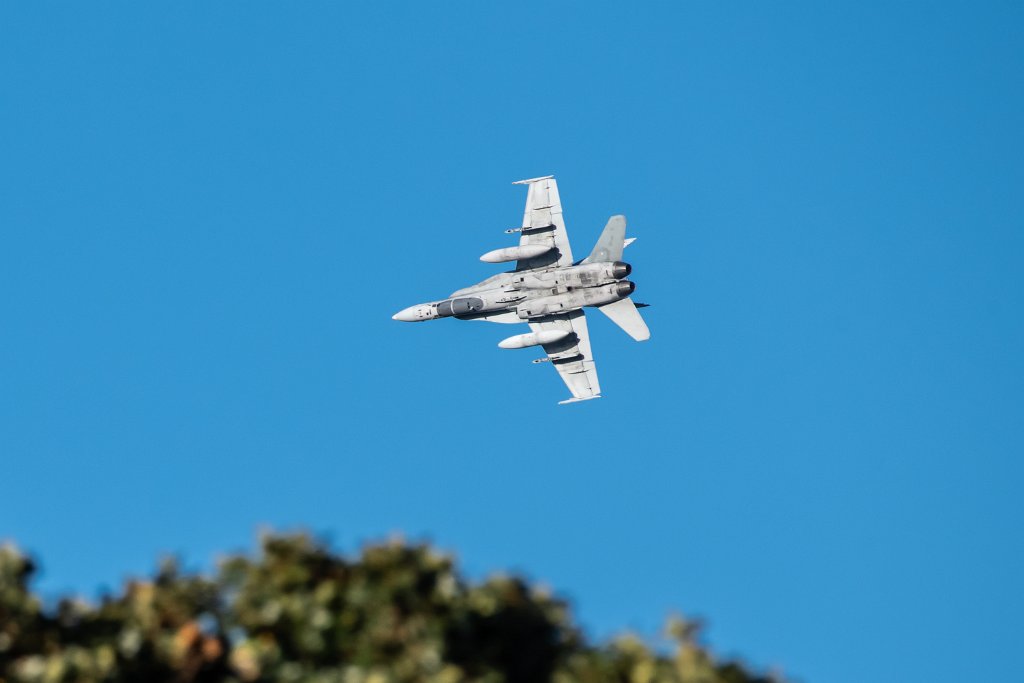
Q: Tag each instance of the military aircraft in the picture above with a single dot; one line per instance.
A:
(548, 290)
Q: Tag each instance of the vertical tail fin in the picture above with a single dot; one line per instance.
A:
(611, 242)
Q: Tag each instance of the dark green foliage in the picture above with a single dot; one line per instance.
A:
(398, 613)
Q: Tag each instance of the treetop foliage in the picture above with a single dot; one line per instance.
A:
(298, 612)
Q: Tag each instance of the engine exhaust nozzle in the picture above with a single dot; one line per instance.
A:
(624, 288)
(621, 269)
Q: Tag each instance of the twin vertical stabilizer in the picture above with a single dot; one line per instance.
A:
(611, 242)
(609, 247)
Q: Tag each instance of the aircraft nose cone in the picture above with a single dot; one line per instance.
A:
(408, 315)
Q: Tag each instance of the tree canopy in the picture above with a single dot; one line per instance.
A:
(297, 611)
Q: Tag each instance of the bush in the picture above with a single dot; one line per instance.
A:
(397, 613)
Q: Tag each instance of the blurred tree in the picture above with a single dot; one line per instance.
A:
(398, 613)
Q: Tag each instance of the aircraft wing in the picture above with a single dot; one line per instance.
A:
(571, 356)
(543, 224)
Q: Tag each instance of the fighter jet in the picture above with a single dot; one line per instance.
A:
(548, 290)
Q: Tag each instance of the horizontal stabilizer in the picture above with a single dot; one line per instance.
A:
(624, 314)
(577, 400)
(532, 180)
(628, 241)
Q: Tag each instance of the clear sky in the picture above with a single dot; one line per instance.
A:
(209, 213)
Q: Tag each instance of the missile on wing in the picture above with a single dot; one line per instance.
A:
(521, 341)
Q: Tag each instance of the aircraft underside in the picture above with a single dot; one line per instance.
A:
(548, 291)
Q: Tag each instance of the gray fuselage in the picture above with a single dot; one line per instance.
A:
(523, 295)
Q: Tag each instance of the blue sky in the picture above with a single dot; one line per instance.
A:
(208, 215)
